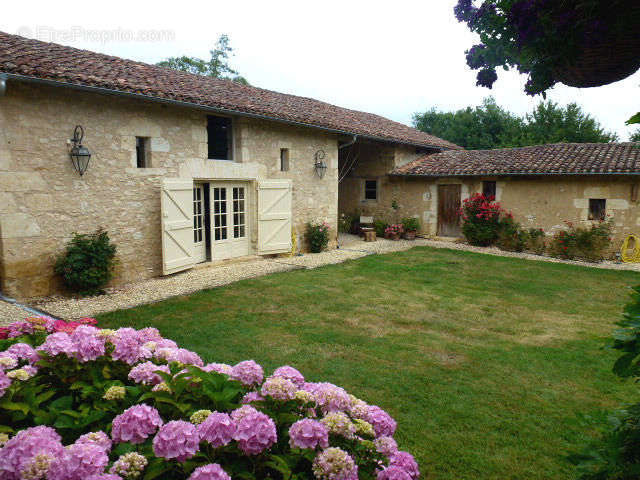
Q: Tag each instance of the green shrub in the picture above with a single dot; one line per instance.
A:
(318, 236)
(536, 241)
(410, 224)
(616, 454)
(480, 220)
(590, 243)
(87, 264)
(511, 237)
(380, 227)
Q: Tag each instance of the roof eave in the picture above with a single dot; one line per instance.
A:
(494, 174)
(206, 108)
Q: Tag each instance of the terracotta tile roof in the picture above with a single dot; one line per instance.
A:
(50, 61)
(560, 158)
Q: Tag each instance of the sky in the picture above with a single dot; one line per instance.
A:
(389, 58)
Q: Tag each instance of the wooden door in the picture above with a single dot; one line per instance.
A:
(448, 210)
(274, 216)
(176, 207)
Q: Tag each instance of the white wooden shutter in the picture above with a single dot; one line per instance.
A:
(176, 209)
(274, 216)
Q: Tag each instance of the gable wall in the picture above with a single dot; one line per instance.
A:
(43, 200)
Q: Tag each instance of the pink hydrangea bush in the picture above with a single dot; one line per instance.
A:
(124, 404)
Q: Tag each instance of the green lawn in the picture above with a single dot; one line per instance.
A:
(493, 367)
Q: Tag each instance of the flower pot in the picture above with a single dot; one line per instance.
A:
(409, 235)
(395, 236)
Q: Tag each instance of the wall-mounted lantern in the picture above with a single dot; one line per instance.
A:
(80, 155)
(319, 165)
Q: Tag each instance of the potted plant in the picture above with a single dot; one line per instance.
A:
(393, 231)
(410, 226)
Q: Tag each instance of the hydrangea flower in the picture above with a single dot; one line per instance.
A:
(149, 334)
(37, 467)
(406, 462)
(290, 374)
(334, 464)
(382, 422)
(308, 433)
(19, 451)
(212, 471)
(22, 374)
(247, 372)
(78, 461)
(329, 397)
(252, 397)
(305, 397)
(218, 367)
(278, 388)
(199, 416)
(105, 476)
(4, 438)
(339, 423)
(24, 351)
(89, 345)
(135, 424)
(129, 465)
(364, 428)
(128, 347)
(239, 413)
(115, 392)
(218, 429)
(187, 357)
(97, 438)
(5, 382)
(166, 343)
(19, 328)
(145, 373)
(358, 408)
(177, 439)
(387, 446)
(161, 387)
(8, 361)
(393, 473)
(255, 432)
(58, 343)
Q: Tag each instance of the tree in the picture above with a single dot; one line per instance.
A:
(581, 43)
(217, 66)
(483, 127)
(491, 126)
(551, 123)
(635, 136)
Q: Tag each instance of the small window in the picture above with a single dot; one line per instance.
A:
(284, 159)
(597, 208)
(219, 138)
(370, 190)
(489, 189)
(142, 152)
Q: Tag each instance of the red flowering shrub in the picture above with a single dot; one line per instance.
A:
(481, 220)
(589, 244)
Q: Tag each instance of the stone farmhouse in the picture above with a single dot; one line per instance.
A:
(183, 169)
(543, 185)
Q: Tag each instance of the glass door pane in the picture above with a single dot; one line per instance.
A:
(239, 213)
(220, 213)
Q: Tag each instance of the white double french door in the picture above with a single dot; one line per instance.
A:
(229, 227)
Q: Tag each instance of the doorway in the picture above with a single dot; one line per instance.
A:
(199, 224)
(229, 220)
(449, 202)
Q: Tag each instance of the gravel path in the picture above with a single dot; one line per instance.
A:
(10, 313)
(204, 277)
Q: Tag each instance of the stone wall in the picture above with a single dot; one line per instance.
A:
(43, 200)
(541, 202)
(375, 161)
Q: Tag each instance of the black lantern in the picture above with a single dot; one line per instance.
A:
(319, 165)
(80, 155)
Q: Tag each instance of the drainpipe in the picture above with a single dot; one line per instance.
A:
(340, 147)
(3, 84)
